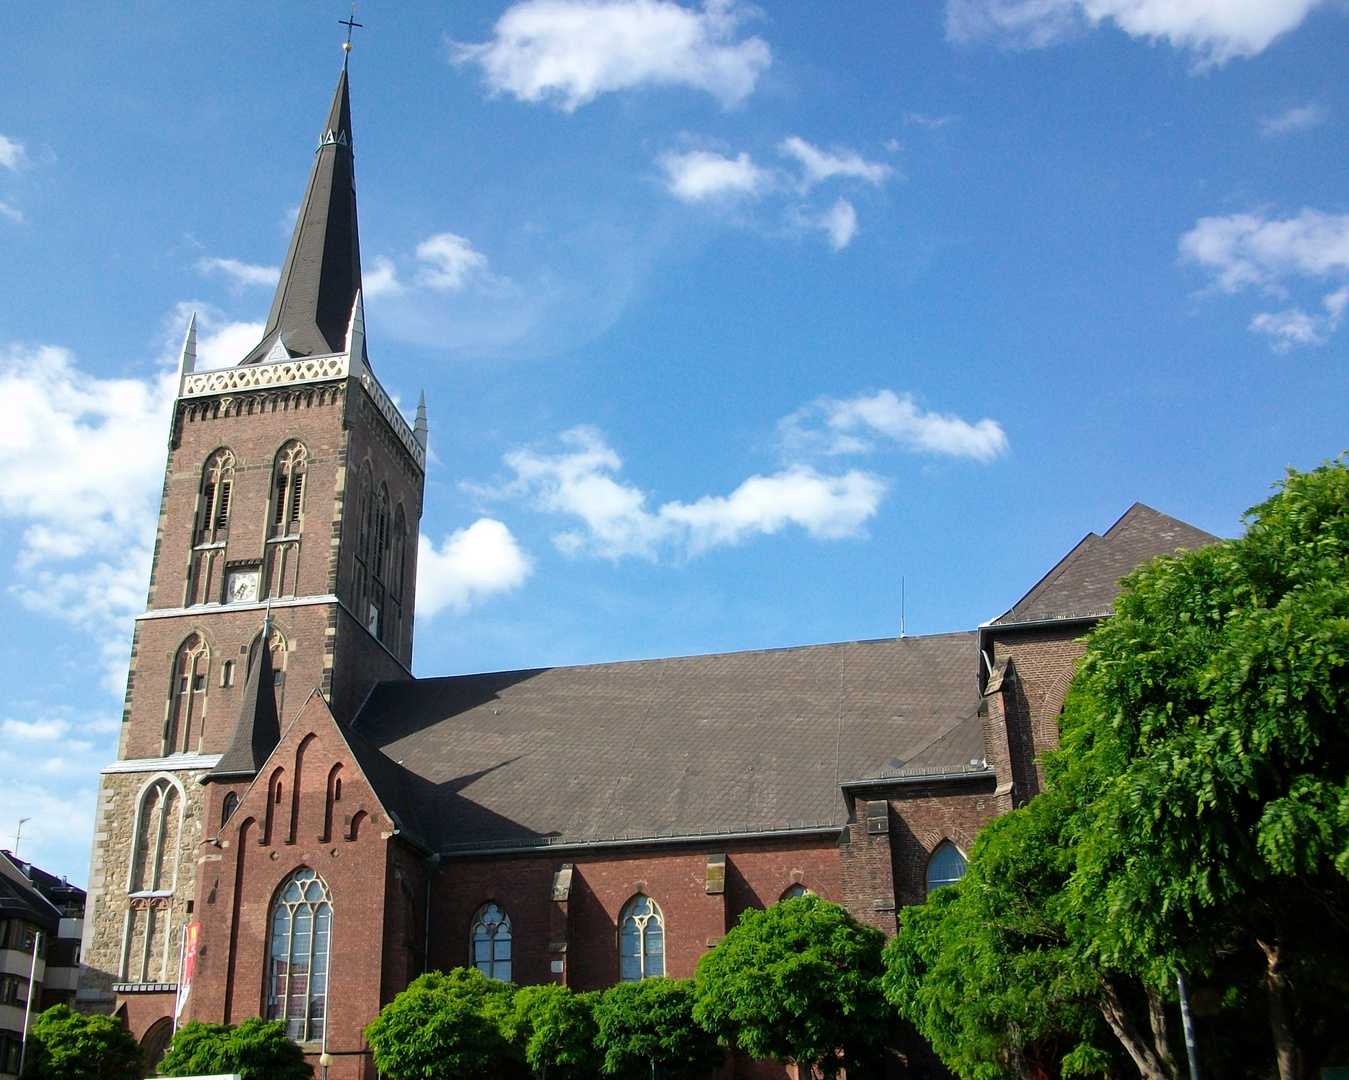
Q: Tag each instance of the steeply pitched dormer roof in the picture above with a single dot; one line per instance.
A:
(1085, 582)
(322, 272)
(257, 730)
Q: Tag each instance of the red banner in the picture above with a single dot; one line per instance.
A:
(186, 967)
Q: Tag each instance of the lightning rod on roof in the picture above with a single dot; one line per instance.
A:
(901, 607)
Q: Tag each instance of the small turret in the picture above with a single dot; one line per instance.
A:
(419, 428)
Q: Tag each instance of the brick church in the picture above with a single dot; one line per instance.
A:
(306, 827)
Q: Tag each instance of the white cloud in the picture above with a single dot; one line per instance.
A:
(471, 565)
(1215, 30)
(1296, 118)
(574, 50)
(818, 165)
(1295, 327)
(12, 154)
(616, 521)
(220, 341)
(42, 730)
(451, 262)
(702, 174)
(81, 466)
(9, 212)
(840, 222)
(242, 274)
(382, 280)
(1250, 250)
(849, 424)
(1247, 249)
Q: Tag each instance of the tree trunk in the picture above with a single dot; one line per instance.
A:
(1280, 992)
(1113, 1011)
(1160, 1036)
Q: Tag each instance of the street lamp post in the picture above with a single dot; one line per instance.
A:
(28, 1005)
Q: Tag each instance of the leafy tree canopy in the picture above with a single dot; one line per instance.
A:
(556, 1029)
(257, 1050)
(445, 1027)
(64, 1045)
(799, 982)
(639, 1023)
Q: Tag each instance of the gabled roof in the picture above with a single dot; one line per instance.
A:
(20, 898)
(1085, 582)
(322, 272)
(685, 747)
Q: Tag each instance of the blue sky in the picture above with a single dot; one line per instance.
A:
(729, 318)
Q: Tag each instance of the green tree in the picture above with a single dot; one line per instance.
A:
(556, 1029)
(799, 982)
(1216, 704)
(446, 1027)
(987, 970)
(257, 1050)
(651, 1021)
(63, 1045)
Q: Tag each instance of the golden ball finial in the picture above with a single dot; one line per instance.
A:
(346, 46)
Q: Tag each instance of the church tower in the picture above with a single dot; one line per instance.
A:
(291, 501)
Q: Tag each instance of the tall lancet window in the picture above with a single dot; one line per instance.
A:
(187, 705)
(641, 940)
(297, 971)
(288, 488)
(211, 528)
(147, 945)
(217, 483)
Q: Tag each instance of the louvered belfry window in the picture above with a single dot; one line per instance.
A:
(288, 482)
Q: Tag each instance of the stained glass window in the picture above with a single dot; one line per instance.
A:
(641, 940)
(297, 983)
(946, 867)
(491, 943)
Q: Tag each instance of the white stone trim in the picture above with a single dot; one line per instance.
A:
(216, 608)
(175, 763)
(297, 372)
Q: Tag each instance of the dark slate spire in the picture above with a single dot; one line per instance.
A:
(322, 272)
(257, 731)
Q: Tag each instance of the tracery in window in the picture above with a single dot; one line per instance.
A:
(946, 867)
(217, 485)
(288, 478)
(641, 940)
(297, 972)
(187, 696)
(211, 528)
(146, 941)
(490, 944)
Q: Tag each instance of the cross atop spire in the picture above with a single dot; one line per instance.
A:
(351, 24)
(322, 272)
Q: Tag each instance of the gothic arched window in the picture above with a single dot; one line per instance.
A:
(491, 943)
(297, 968)
(228, 807)
(288, 476)
(946, 867)
(187, 695)
(217, 483)
(147, 936)
(796, 892)
(641, 940)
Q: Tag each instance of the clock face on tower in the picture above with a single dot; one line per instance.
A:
(242, 587)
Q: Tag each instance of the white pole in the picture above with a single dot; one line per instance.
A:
(28, 1005)
(1187, 1023)
(178, 983)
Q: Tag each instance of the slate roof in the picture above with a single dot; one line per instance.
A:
(684, 747)
(1086, 581)
(322, 272)
(257, 728)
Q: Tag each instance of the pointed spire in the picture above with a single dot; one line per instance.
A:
(419, 429)
(257, 730)
(356, 332)
(187, 359)
(322, 272)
